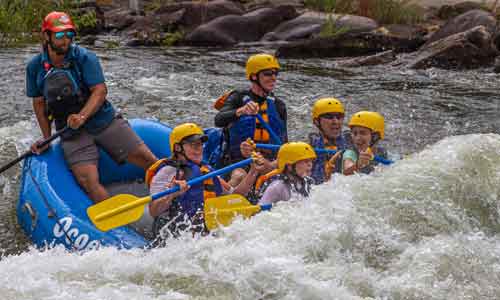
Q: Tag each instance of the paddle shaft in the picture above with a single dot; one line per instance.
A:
(203, 178)
(320, 150)
(273, 134)
(29, 153)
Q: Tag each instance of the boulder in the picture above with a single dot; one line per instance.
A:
(309, 24)
(232, 29)
(496, 68)
(190, 14)
(351, 44)
(465, 22)
(446, 12)
(119, 19)
(470, 49)
(372, 60)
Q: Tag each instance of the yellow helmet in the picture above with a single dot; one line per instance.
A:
(259, 62)
(183, 131)
(327, 105)
(369, 119)
(293, 152)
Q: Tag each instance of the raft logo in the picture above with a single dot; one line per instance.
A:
(80, 241)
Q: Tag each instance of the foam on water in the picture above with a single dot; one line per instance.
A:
(425, 228)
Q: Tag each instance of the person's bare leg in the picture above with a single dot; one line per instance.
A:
(142, 157)
(88, 178)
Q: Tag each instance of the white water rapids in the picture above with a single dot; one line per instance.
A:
(425, 228)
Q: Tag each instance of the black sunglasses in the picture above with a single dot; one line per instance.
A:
(270, 73)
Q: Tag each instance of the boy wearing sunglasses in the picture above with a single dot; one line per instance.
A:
(328, 117)
(67, 85)
(238, 113)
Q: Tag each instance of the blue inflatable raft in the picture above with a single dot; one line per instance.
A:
(52, 207)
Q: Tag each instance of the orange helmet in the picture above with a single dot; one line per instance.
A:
(57, 21)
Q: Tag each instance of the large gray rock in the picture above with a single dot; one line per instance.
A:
(465, 22)
(446, 12)
(190, 14)
(309, 24)
(372, 60)
(232, 29)
(350, 44)
(470, 49)
(496, 68)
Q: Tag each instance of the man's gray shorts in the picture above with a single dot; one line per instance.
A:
(118, 140)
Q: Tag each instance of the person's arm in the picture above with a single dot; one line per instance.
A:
(164, 179)
(41, 116)
(93, 77)
(233, 108)
(349, 159)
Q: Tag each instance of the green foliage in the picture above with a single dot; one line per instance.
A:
(396, 12)
(87, 20)
(171, 38)
(383, 11)
(154, 5)
(20, 20)
(331, 28)
(330, 6)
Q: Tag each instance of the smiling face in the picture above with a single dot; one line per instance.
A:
(361, 137)
(330, 124)
(60, 42)
(303, 167)
(193, 151)
(267, 79)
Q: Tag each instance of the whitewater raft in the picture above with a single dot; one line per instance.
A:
(52, 207)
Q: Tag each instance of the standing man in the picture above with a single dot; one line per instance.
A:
(67, 85)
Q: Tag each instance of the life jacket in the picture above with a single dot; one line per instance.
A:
(65, 93)
(264, 181)
(316, 140)
(192, 201)
(249, 127)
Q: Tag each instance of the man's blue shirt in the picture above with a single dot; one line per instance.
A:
(86, 62)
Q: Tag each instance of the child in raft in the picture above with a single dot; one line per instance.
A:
(295, 161)
(367, 129)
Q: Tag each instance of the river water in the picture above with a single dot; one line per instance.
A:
(427, 227)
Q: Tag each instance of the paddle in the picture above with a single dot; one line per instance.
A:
(273, 134)
(320, 150)
(124, 209)
(222, 210)
(29, 153)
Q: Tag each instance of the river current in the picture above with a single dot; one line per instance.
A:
(427, 227)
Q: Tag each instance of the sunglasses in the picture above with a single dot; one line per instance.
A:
(269, 73)
(331, 116)
(69, 34)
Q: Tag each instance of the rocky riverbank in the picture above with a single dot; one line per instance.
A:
(459, 36)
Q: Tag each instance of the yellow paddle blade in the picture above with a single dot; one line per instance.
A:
(223, 210)
(117, 211)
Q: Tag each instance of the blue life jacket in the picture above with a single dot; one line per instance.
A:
(245, 127)
(215, 147)
(66, 94)
(317, 141)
